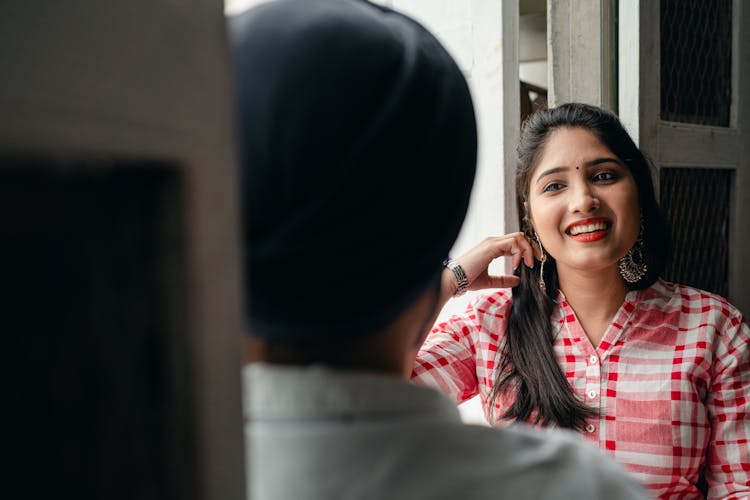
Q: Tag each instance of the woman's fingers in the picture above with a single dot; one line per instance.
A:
(505, 281)
(515, 245)
(476, 261)
(527, 251)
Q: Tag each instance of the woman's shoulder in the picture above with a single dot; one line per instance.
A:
(669, 297)
(667, 291)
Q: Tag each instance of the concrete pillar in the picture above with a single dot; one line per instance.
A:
(581, 52)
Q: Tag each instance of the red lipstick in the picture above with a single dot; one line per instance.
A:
(588, 230)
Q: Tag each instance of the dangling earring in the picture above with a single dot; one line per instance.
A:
(633, 265)
(542, 260)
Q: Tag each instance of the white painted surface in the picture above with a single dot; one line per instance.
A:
(449, 20)
(629, 67)
(534, 72)
(233, 7)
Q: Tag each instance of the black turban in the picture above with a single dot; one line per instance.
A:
(358, 150)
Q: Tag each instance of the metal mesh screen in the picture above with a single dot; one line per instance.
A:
(696, 203)
(696, 61)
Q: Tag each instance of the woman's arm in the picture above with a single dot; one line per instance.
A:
(448, 358)
(728, 471)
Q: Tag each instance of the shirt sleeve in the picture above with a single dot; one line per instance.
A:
(449, 357)
(728, 472)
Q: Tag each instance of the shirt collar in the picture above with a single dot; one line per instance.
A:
(273, 392)
(631, 297)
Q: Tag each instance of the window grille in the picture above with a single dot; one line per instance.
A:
(696, 202)
(696, 61)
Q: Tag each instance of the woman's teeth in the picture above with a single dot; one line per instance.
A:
(587, 228)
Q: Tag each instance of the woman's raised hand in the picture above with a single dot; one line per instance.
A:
(476, 261)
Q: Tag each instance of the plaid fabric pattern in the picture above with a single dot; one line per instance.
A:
(670, 380)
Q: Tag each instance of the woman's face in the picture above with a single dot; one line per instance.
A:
(583, 202)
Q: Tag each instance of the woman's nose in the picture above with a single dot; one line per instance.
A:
(583, 199)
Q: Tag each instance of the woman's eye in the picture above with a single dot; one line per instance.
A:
(604, 177)
(554, 186)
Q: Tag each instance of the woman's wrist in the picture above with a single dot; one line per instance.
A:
(448, 285)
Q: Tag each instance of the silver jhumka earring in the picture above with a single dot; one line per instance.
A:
(633, 265)
(542, 284)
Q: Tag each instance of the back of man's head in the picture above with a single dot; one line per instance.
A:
(358, 151)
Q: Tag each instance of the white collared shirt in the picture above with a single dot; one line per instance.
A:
(319, 434)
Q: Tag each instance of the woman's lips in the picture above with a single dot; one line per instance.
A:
(589, 229)
(588, 237)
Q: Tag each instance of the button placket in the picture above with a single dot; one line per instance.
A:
(593, 378)
(592, 393)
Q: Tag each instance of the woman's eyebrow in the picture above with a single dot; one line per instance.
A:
(605, 159)
(588, 164)
(551, 171)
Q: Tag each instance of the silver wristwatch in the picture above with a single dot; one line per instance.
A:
(459, 274)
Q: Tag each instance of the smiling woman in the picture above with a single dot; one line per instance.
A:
(656, 374)
(583, 205)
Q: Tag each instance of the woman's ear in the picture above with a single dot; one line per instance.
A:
(530, 232)
(527, 226)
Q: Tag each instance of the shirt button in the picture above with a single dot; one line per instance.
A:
(593, 359)
(590, 428)
(592, 394)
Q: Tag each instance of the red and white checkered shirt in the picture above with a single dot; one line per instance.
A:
(670, 380)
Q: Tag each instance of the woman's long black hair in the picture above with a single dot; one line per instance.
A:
(528, 366)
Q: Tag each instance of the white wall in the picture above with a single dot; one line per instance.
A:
(232, 7)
